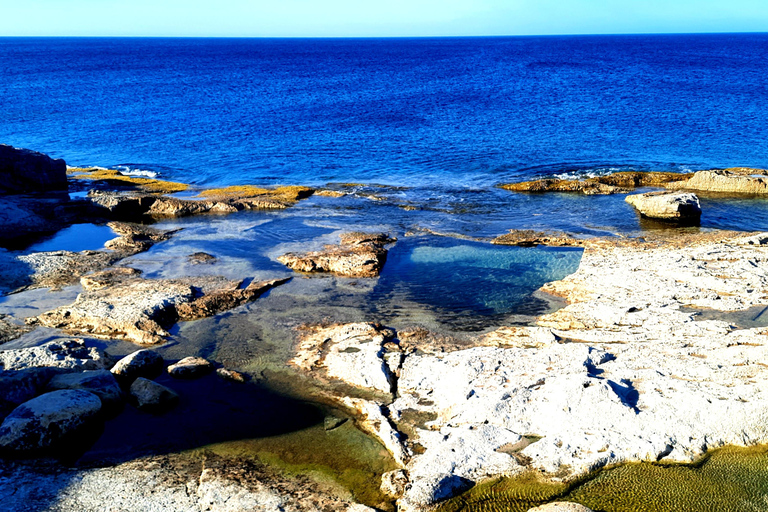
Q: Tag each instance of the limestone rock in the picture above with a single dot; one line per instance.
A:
(618, 182)
(136, 310)
(153, 397)
(230, 375)
(681, 207)
(135, 238)
(10, 331)
(99, 382)
(190, 368)
(393, 483)
(352, 353)
(219, 301)
(68, 354)
(61, 268)
(730, 181)
(23, 170)
(201, 258)
(142, 363)
(561, 506)
(108, 277)
(530, 238)
(358, 255)
(48, 420)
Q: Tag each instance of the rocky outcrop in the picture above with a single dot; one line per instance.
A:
(10, 331)
(152, 397)
(200, 258)
(48, 421)
(223, 300)
(670, 206)
(23, 170)
(135, 238)
(142, 363)
(66, 354)
(190, 368)
(728, 181)
(99, 382)
(358, 255)
(531, 238)
(619, 182)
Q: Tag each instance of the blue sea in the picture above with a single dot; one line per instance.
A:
(448, 118)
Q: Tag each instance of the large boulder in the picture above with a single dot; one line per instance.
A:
(48, 420)
(23, 170)
(99, 382)
(142, 363)
(17, 387)
(681, 207)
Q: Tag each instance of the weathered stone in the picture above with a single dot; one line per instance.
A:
(217, 302)
(48, 420)
(561, 506)
(153, 397)
(108, 277)
(61, 268)
(359, 255)
(730, 181)
(619, 182)
(134, 238)
(136, 310)
(190, 368)
(99, 382)
(530, 238)
(200, 258)
(393, 483)
(679, 207)
(10, 331)
(230, 375)
(23, 170)
(68, 354)
(142, 363)
(19, 386)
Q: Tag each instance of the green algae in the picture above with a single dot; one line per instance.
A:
(115, 178)
(731, 479)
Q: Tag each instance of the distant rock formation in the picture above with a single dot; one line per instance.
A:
(24, 170)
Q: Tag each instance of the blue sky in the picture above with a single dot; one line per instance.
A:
(344, 18)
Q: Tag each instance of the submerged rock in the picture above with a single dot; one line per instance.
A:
(219, 301)
(152, 397)
(10, 331)
(678, 207)
(230, 375)
(358, 255)
(24, 170)
(619, 182)
(99, 382)
(135, 238)
(142, 363)
(561, 506)
(201, 258)
(65, 353)
(730, 181)
(190, 368)
(48, 420)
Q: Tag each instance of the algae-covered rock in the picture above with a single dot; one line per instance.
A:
(678, 207)
(48, 420)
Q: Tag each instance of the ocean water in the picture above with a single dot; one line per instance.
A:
(450, 118)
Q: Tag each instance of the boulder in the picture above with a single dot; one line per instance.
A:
(681, 207)
(358, 255)
(48, 420)
(142, 363)
(17, 387)
(230, 375)
(190, 368)
(152, 397)
(68, 354)
(23, 170)
(201, 258)
(99, 382)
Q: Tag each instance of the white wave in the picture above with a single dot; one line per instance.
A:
(127, 171)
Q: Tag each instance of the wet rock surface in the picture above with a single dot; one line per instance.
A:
(358, 255)
(142, 363)
(24, 170)
(620, 182)
(223, 300)
(10, 330)
(66, 354)
(531, 238)
(99, 382)
(48, 420)
(680, 207)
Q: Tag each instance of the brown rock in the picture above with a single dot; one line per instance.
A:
(619, 182)
(219, 301)
(190, 368)
(530, 238)
(358, 255)
(730, 181)
(201, 257)
(152, 397)
(230, 375)
(10, 331)
(108, 277)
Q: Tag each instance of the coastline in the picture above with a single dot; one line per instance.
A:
(625, 293)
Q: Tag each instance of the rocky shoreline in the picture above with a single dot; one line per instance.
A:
(627, 371)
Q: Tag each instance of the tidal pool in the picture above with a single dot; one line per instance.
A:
(730, 479)
(77, 237)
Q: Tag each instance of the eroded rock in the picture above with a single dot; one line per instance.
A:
(10, 331)
(190, 368)
(678, 207)
(48, 420)
(230, 375)
(142, 363)
(152, 397)
(65, 353)
(619, 182)
(358, 255)
(219, 301)
(730, 181)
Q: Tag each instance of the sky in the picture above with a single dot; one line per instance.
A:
(375, 18)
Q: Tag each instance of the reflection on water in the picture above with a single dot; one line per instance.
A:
(77, 237)
(729, 480)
